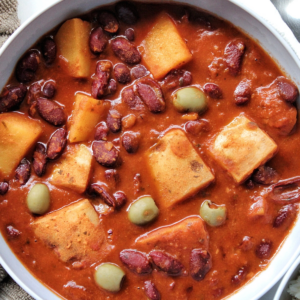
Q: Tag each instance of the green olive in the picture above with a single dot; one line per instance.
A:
(109, 277)
(38, 199)
(213, 216)
(143, 211)
(189, 99)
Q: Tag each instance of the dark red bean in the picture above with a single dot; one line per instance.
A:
(57, 143)
(130, 141)
(34, 91)
(112, 178)
(120, 198)
(247, 243)
(196, 127)
(101, 191)
(100, 84)
(263, 250)
(131, 99)
(287, 89)
(122, 73)
(4, 186)
(233, 54)
(49, 50)
(151, 94)
(217, 293)
(243, 92)
(39, 159)
(129, 33)
(126, 51)
(177, 78)
(108, 21)
(103, 66)
(12, 232)
(286, 215)
(151, 291)
(265, 175)
(249, 184)
(139, 71)
(97, 41)
(240, 276)
(27, 66)
(49, 89)
(105, 153)
(112, 87)
(12, 97)
(136, 261)
(101, 132)
(51, 112)
(23, 171)
(113, 121)
(200, 264)
(127, 12)
(213, 90)
(166, 262)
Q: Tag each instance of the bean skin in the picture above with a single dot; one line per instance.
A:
(4, 186)
(39, 159)
(200, 264)
(108, 21)
(12, 98)
(49, 50)
(127, 12)
(122, 73)
(49, 89)
(113, 121)
(97, 41)
(126, 51)
(57, 143)
(151, 291)
(105, 153)
(136, 261)
(27, 66)
(23, 172)
(213, 90)
(51, 112)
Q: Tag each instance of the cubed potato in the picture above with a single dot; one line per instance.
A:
(72, 41)
(177, 169)
(86, 114)
(73, 170)
(75, 233)
(163, 48)
(18, 134)
(242, 147)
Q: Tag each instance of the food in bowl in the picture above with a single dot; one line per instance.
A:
(147, 151)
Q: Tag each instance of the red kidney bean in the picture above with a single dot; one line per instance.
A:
(101, 191)
(108, 21)
(49, 50)
(12, 232)
(151, 291)
(129, 33)
(49, 89)
(101, 132)
(263, 250)
(112, 87)
(39, 159)
(247, 243)
(177, 78)
(97, 41)
(213, 90)
(51, 112)
(195, 127)
(120, 198)
(217, 293)
(287, 89)
(136, 261)
(166, 262)
(243, 92)
(151, 94)
(131, 99)
(200, 264)
(4, 186)
(57, 143)
(100, 84)
(122, 73)
(23, 171)
(249, 184)
(233, 53)
(240, 276)
(139, 71)
(137, 183)
(130, 141)
(34, 91)
(27, 66)
(127, 12)
(126, 51)
(265, 175)
(105, 153)
(285, 216)
(112, 178)
(113, 121)
(12, 97)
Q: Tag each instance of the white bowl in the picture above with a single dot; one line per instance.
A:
(250, 23)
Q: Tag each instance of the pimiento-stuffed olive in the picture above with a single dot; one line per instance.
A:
(38, 199)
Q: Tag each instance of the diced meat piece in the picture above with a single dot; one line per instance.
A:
(242, 147)
(243, 92)
(265, 175)
(132, 100)
(233, 54)
(84, 244)
(287, 89)
(178, 169)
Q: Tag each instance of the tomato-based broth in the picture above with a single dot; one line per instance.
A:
(166, 144)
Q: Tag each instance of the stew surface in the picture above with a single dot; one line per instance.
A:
(99, 109)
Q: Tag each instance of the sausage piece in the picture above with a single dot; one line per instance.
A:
(105, 153)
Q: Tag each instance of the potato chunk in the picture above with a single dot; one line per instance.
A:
(242, 147)
(177, 168)
(72, 41)
(85, 116)
(73, 170)
(164, 48)
(75, 233)
(18, 134)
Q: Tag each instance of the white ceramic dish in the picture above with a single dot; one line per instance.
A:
(250, 23)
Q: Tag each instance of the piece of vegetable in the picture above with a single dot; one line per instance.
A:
(189, 99)
(38, 199)
(213, 216)
(109, 277)
(143, 211)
